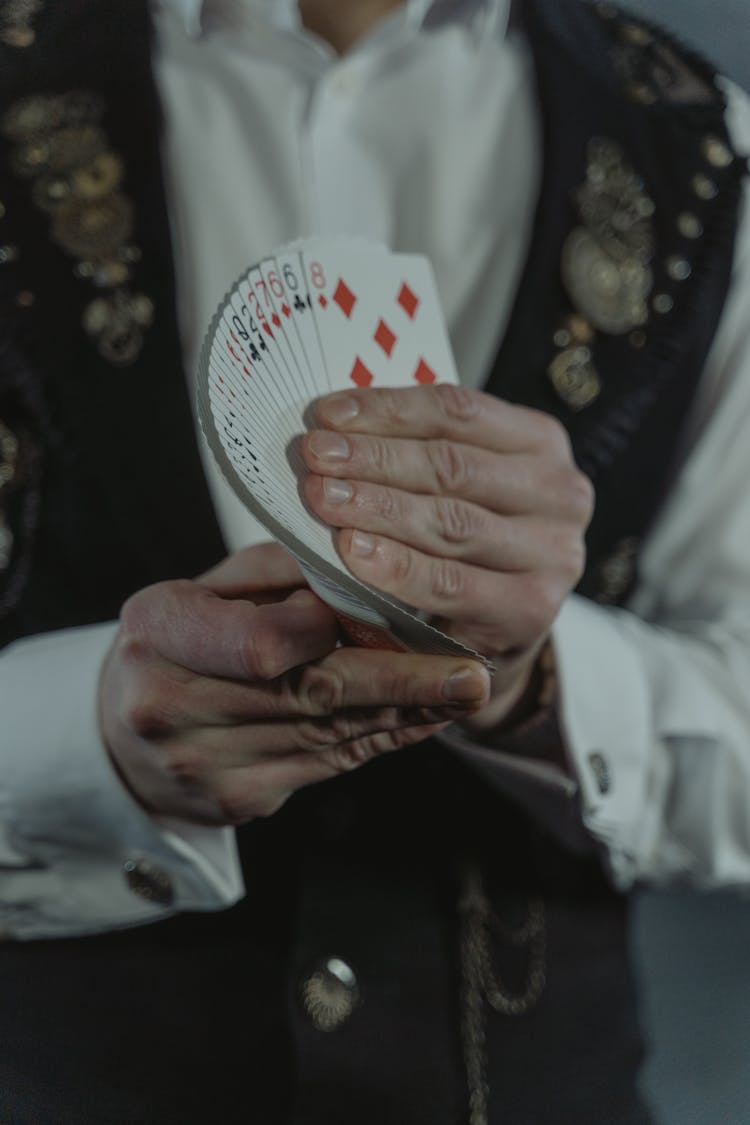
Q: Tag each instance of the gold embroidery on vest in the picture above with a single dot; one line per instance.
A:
(16, 17)
(76, 178)
(605, 269)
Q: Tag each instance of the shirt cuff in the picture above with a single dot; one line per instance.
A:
(606, 714)
(605, 799)
(78, 854)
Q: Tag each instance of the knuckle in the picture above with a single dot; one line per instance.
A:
(379, 455)
(582, 494)
(401, 562)
(403, 691)
(320, 691)
(385, 742)
(150, 707)
(343, 759)
(131, 614)
(449, 465)
(147, 716)
(447, 580)
(456, 403)
(540, 605)
(261, 651)
(349, 756)
(235, 810)
(388, 505)
(315, 736)
(185, 764)
(551, 432)
(572, 559)
(311, 736)
(137, 613)
(133, 650)
(392, 406)
(457, 522)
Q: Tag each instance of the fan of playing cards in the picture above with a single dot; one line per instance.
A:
(318, 316)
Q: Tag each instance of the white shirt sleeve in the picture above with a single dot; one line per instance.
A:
(655, 706)
(77, 853)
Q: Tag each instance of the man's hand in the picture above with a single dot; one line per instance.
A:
(221, 697)
(462, 505)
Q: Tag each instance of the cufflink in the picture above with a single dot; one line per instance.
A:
(601, 771)
(148, 881)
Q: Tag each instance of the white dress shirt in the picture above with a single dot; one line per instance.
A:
(269, 136)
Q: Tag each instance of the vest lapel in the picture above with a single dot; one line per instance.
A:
(629, 263)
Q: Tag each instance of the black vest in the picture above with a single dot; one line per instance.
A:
(612, 339)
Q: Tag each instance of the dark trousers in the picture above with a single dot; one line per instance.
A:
(198, 1020)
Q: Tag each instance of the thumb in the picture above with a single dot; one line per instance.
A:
(253, 570)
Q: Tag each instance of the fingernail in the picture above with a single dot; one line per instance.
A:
(362, 544)
(329, 447)
(340, 409)
(337, 491)
(464, 686)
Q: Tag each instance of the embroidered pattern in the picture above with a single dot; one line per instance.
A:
(61, 147)
(608, 265)
(605, 268)
(329, 995)
(16, 17)
(649, 67)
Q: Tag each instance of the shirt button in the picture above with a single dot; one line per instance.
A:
(148, 881)
(601, 771)
(329, 994)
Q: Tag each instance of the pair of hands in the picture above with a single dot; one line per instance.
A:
(221, 697)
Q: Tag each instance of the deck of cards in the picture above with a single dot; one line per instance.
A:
(318, 316)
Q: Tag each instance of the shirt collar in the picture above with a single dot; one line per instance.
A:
(489, 14)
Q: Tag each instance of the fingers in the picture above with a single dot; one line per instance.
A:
(211, 749)
(168, 733)
(242, 794)
(506, 484)
(443, 411)
(189, 625)
(348, 685)
(437, 525)
(508, 609)
(450, 442)
(464, 506)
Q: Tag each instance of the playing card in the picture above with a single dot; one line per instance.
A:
(318, 316)
(378, 318)
(278, 347)
(282, 289)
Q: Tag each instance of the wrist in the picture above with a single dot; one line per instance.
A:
(526, 723)
(538, 697)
